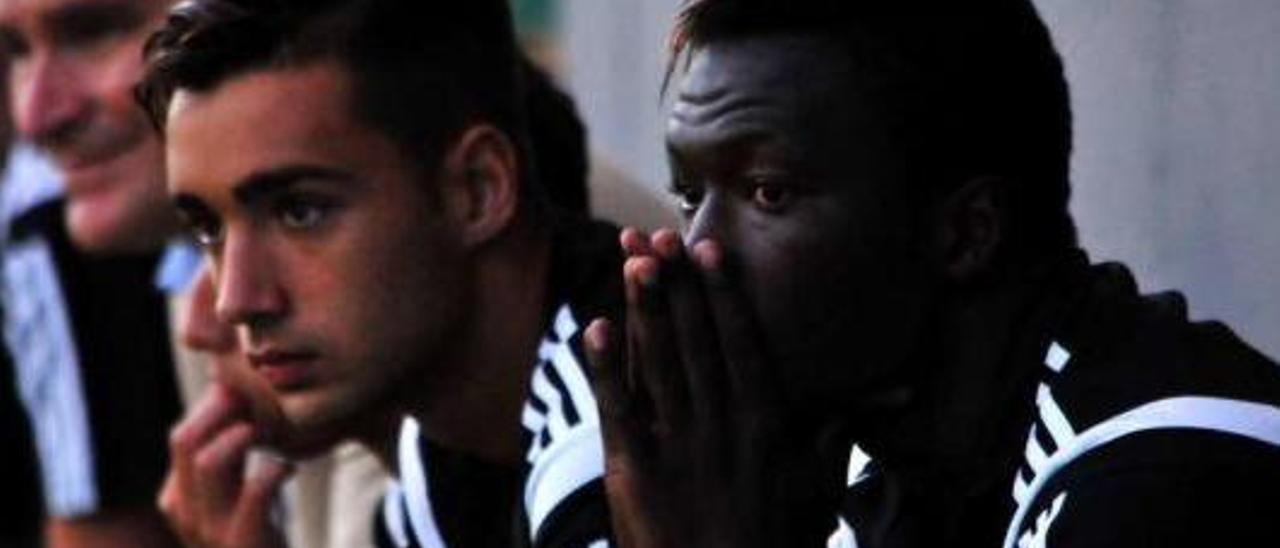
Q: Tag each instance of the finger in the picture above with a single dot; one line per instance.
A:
(695, 335)
(666, 244)
(252, 522)
(169, 501)
(635, 242)
(215, 409)
(749, 376)
(608, 382)
(219, 470)
(651, 345)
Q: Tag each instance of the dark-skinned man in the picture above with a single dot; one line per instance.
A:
(878, 251)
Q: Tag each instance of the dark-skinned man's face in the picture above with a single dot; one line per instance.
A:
(782, 151)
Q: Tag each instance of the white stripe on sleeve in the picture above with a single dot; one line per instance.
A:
(1256, 421)
(413, 479)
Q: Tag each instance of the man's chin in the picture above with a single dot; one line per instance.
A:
(300, 432)
(90, 231)
(297, 446)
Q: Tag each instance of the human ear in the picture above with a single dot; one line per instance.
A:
(482, 183)
(972, 228)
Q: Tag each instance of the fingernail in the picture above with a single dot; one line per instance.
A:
(596, 334)
(667, 243)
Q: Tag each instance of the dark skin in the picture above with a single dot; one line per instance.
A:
(791, 319)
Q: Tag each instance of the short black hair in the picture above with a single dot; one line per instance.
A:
(422, 70)
(979, 83)
(558, 140)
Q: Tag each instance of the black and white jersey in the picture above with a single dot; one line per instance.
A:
(89, 342)
(19, 471)
(1145, 429)
(563, 493)
(443, 498)
(558, 499)
(1149, 430)
(406, 518)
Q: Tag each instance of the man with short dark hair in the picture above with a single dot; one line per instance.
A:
(879, 252)
(384, 253)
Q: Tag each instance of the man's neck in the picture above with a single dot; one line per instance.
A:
(479, 414)
(381, 436)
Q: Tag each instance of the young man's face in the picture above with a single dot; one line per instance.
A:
(74, 65)
(784, 155)
(326, 247)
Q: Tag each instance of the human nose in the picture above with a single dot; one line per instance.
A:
(49, 98)
(706, 222)
(247, 290)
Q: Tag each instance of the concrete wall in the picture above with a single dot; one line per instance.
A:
(1177, 165)
(1178, 134)
(614, 52)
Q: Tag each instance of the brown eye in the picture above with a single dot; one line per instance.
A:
(770, 197)
(304, 211)
(301, 216)
(204, 229)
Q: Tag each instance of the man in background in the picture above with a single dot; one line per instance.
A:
(84, 322)
(75, 65)
(23, 508)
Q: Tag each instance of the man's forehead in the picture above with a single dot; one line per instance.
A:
(218, 134)
(773, 85)
(802, 94)
(313, 95)
(785, 65)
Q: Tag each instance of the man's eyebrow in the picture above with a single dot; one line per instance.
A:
(273, 181)
(189, 204)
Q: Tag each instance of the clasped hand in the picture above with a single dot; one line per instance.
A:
(697, 444)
